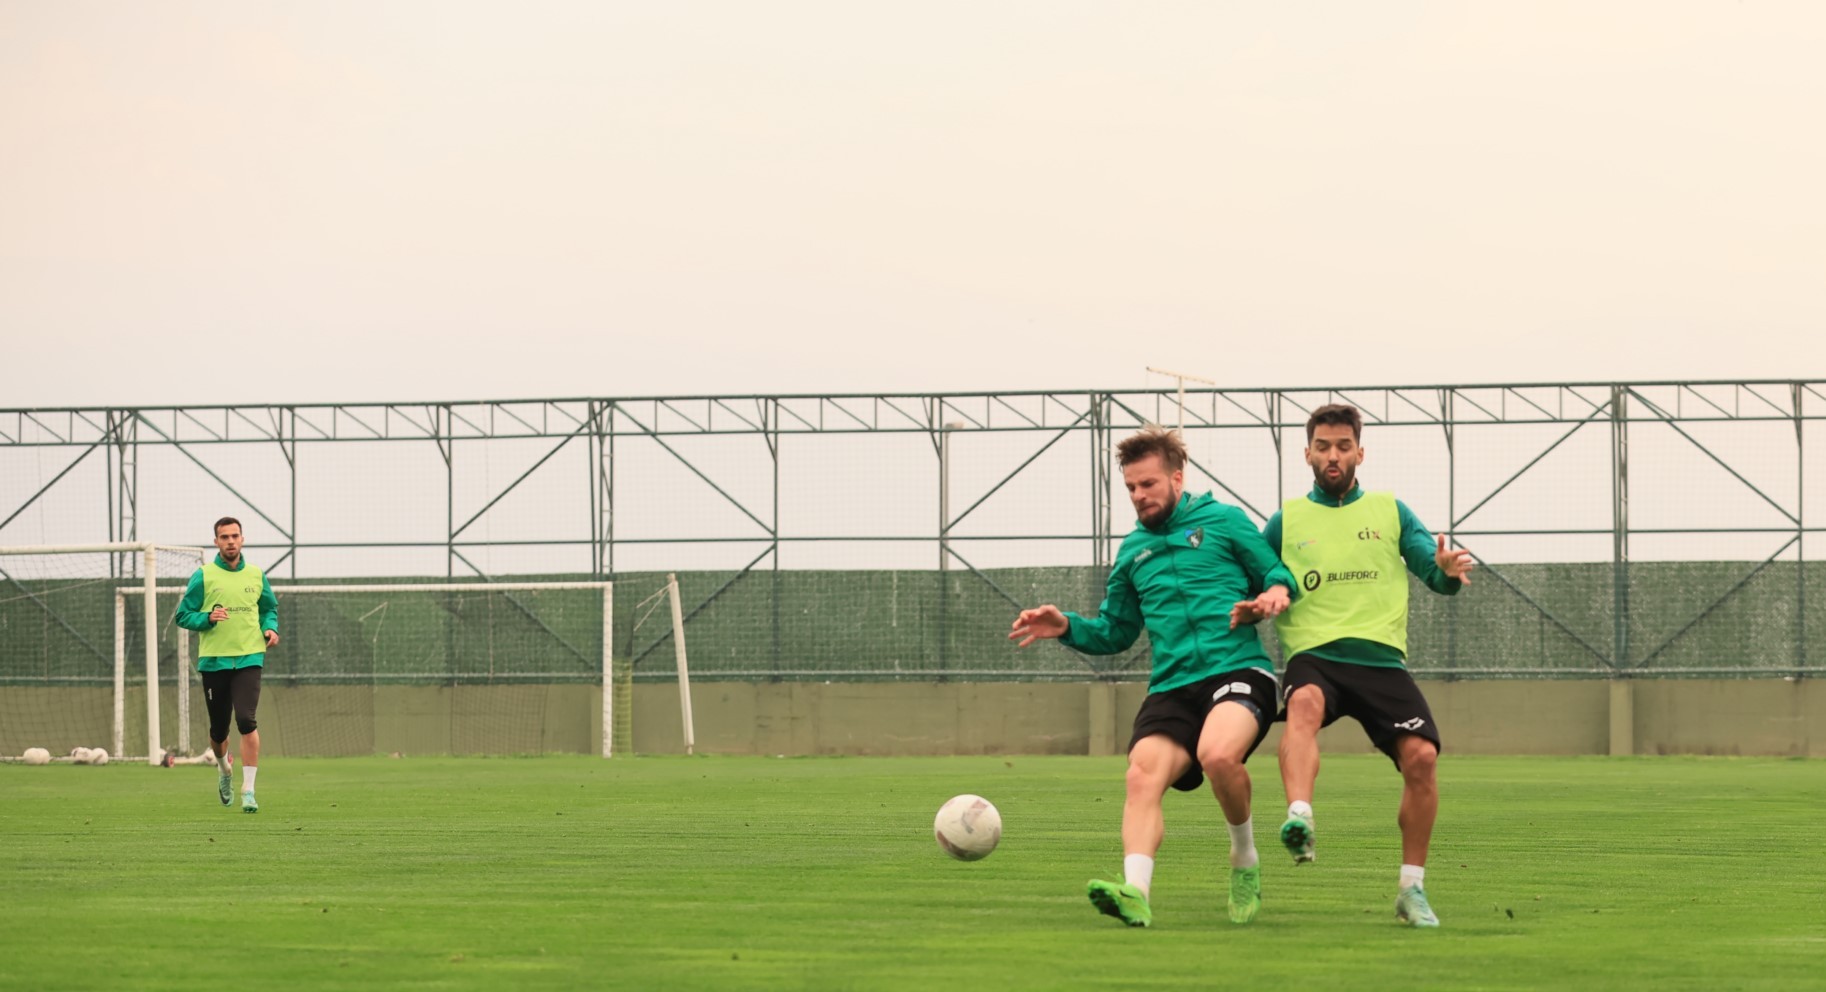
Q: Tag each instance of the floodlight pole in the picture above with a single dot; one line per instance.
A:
(1182, 377)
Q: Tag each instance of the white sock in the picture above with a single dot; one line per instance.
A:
(1300, 808)
(247, 777)
(222, 762)
(1411, 876)
(1242, 844)
(1138, 870)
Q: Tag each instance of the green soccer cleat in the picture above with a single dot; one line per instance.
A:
(1245, 893)
(225, 789)
(1125, 902)
(247, 802)
(1297, 836)
(1411, 908)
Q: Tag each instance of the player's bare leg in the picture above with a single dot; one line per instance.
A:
(1222, 745)
(1419, 796)
(1419, 808)
(1155, 762)
(1299, 756)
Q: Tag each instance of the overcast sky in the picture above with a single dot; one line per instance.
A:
(235, 202)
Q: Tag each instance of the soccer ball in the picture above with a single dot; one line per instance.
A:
(968, 827)
(37, 756)
(80, 755)
(99, 756)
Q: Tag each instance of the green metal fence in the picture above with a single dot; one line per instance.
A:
(1621, 528)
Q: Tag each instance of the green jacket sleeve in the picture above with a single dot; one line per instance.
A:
(269, 606)
(1259, 559)
(1417, 549)
(1271, 532)
(190, 614)
(1118, 620)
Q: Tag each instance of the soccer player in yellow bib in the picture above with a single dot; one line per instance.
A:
(1345, 639)
(231, 607)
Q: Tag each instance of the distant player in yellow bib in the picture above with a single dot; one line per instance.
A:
(1345, 639)
(231, 607)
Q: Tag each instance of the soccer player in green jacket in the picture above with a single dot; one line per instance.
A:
(1212, 692)
(1345, 641)
(230, 605)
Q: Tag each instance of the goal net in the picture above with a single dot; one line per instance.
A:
(405, 667)
(83, 662)
(370, 668)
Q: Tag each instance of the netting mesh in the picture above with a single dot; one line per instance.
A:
(398, 633)
(1516, 620)
(65, 620)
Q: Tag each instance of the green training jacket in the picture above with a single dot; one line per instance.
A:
(1179, 581)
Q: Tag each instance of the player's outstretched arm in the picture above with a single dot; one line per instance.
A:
(1040, 623)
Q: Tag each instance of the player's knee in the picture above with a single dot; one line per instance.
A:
(1143, 778)
(246, 725)
(1306, 707)
(1419, 760)
(1219, 765)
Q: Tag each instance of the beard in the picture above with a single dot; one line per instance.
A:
(1347, 479)
(1160, 516)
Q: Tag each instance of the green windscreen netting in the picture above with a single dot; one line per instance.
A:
(1515, 620)
(1522, 620)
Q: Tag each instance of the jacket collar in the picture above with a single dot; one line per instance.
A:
(1324, 498)
(224, 566)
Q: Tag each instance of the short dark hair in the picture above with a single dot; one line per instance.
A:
(224, 522)
(1332, 414)
(1154, 441)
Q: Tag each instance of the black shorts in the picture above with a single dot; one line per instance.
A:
(1180, 713)
(233, 691)
(1385, 701)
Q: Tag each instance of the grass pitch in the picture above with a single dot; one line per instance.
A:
(753, 873)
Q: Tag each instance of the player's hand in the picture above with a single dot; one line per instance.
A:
(1270, 604)
(272, 638)
(218, 614)
(1273, 601)
(1455, 562)
(1039, 623)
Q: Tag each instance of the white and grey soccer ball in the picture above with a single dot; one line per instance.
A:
(968, 827)
(81, 755)
(99, 756)
(36, 756)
